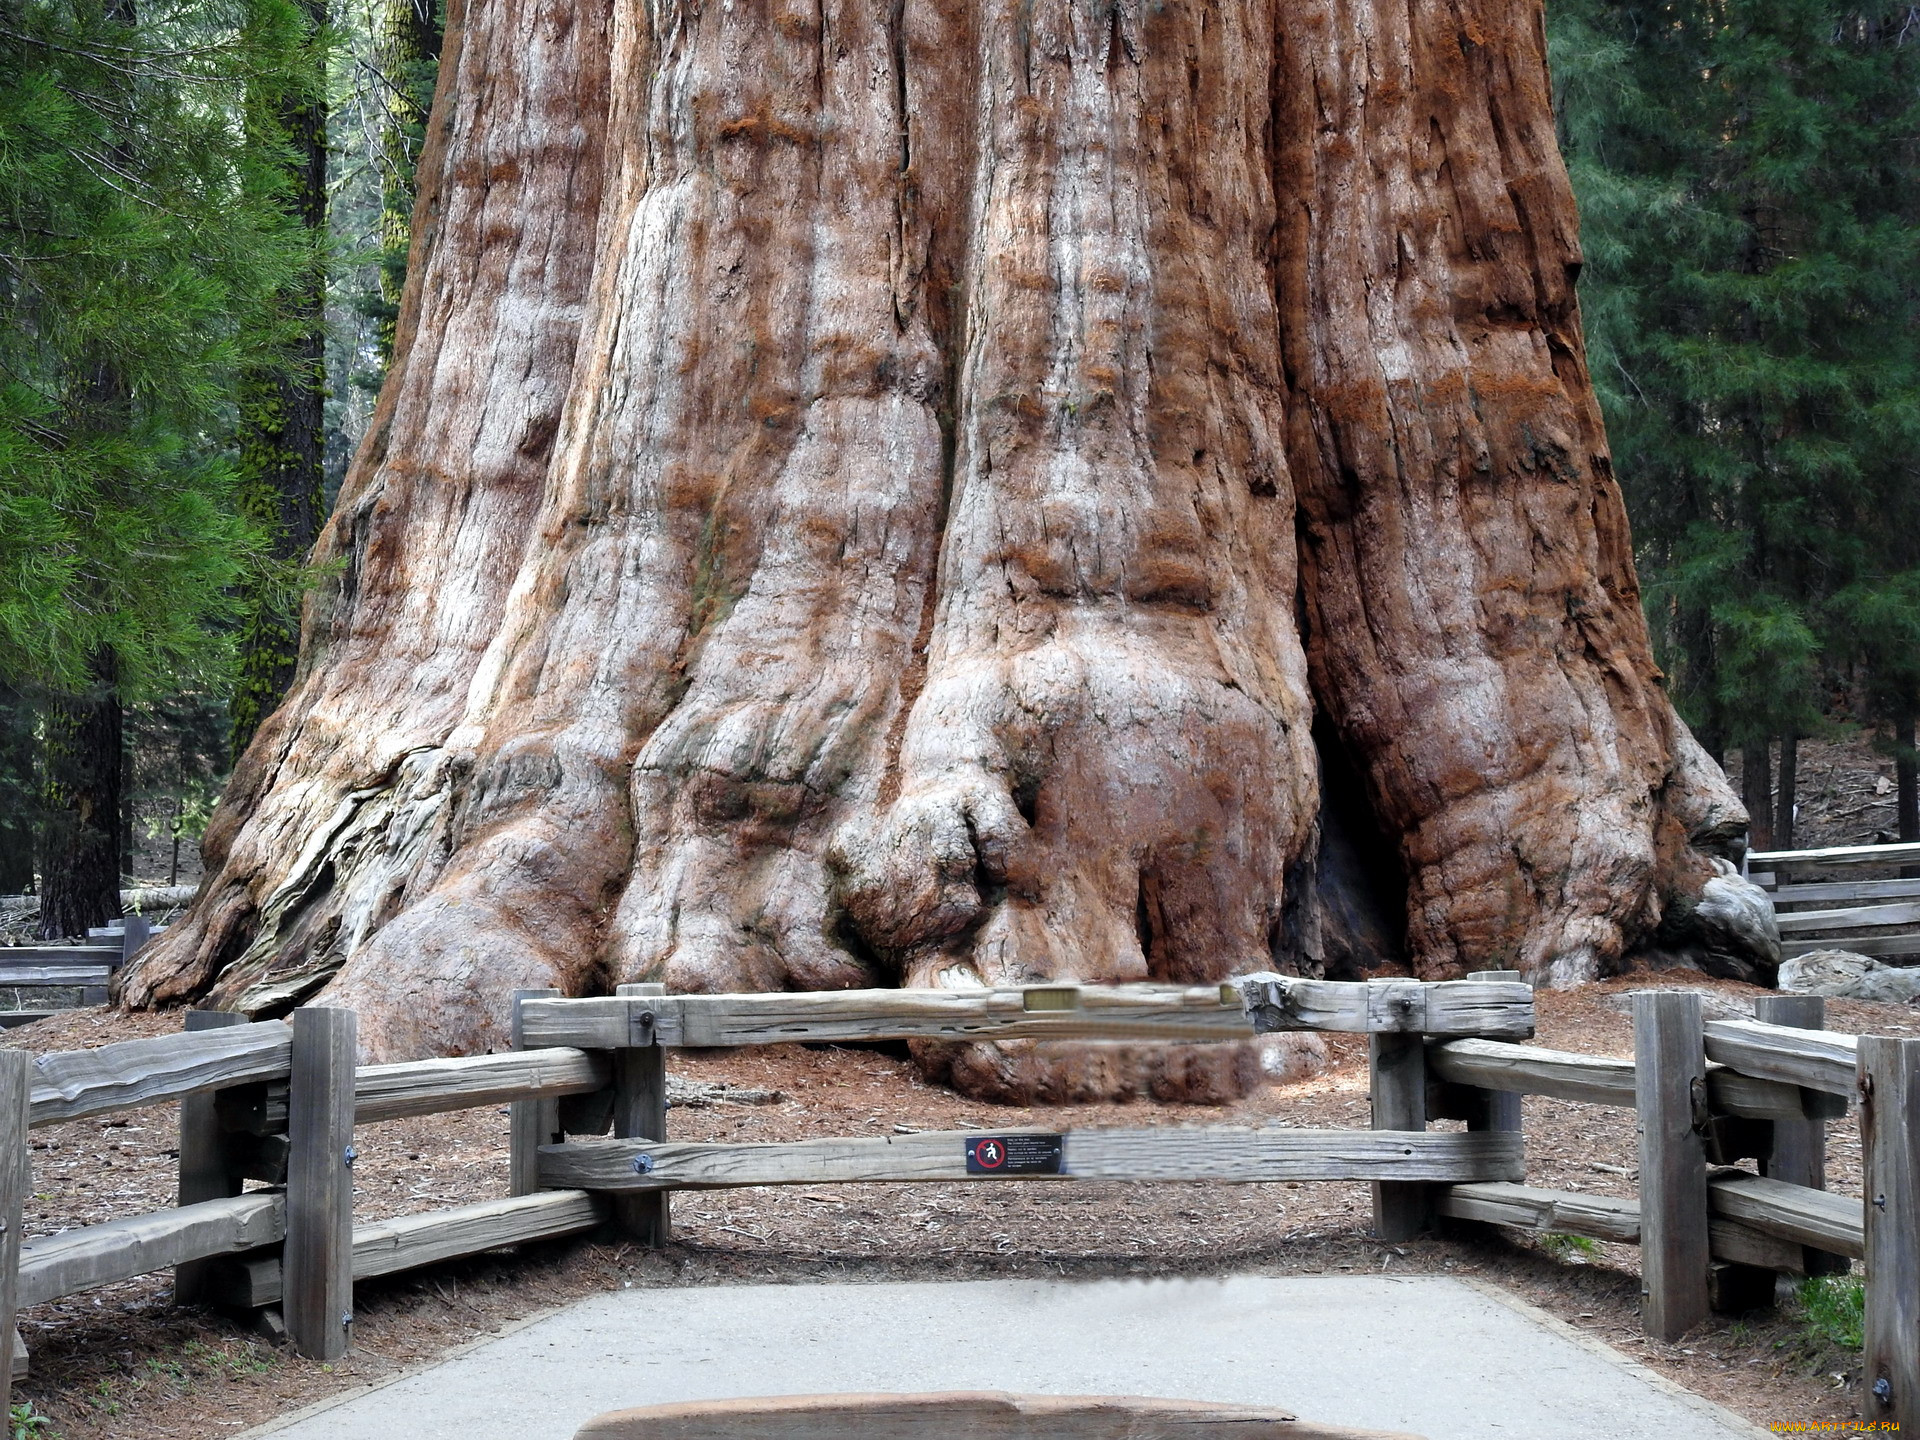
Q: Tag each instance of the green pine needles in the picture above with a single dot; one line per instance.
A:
(1747, 182)
(143, 240)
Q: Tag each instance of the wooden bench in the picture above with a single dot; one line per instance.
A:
(978, 1415)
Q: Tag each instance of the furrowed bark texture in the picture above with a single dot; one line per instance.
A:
(1473, 614)
(850, 501)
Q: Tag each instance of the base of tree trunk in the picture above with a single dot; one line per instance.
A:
(1073, 1072)
(878, 494)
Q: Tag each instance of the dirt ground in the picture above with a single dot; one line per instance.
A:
(121, 1362)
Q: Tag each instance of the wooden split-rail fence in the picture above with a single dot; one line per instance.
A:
(82, 972)
(1821, 903)
(277, 1102)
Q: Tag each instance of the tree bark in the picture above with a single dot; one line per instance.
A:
(20, 796)
(82, 754)
(1756, 793)
(409, 47)
(1789, 784)
(879, 493)
(1906, 779)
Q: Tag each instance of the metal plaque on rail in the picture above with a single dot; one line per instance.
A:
(1013, 1154)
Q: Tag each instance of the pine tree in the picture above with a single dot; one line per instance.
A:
(1747, 177)
(142, 243)
(282, 447)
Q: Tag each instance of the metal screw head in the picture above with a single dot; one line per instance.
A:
(643, 1164)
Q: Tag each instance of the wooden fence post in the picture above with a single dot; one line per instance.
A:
(640, 1113)
(534, 1122)
(1490, 1111)
(1397, 1078)
(16, 1179)
(317, 1263)
(135, 931)
(1500, 1109)
(1890, 1146)
(1670, 1088)
(207, 1171)
(1800, 1146)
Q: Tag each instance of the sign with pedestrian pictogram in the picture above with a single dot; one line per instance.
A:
(1013, 1154)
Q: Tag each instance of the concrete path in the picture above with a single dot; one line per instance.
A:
(1439, 1357)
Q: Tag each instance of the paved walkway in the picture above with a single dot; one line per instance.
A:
(1439, 1357)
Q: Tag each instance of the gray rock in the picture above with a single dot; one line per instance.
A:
(1847, 976)
(1736, 916)
(1891, 984)
(1713, 1005)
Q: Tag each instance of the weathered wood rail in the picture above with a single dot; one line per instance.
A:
(1824, 914)
(86, 968)
(276, 1103)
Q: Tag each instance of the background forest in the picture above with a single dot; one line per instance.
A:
(203, 230)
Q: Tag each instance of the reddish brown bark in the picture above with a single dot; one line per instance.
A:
(867, 537)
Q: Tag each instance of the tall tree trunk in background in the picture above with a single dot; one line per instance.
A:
(1789, 784)
(283, 443)
(19, 790)
(1756, 793)
(408, 50)
(849, 496)
(81, 758)
(1906, 782)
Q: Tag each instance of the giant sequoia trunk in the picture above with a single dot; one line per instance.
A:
(909, 491)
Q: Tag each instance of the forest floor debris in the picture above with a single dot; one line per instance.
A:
(121, 1362)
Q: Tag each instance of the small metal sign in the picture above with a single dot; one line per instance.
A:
(1013, 1154)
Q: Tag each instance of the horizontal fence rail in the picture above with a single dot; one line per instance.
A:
(428, 1087)
(1826, 892)
(1145, 1012)
(1773, 860)
(74, 1084)
(1834, 1223)
(76, 1260)
(1156, 1154)
(1452, 1007)
(1817, 1059)
(1603, 1080)
(1856, 917)
(1157, 1013)
(387, 1247)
